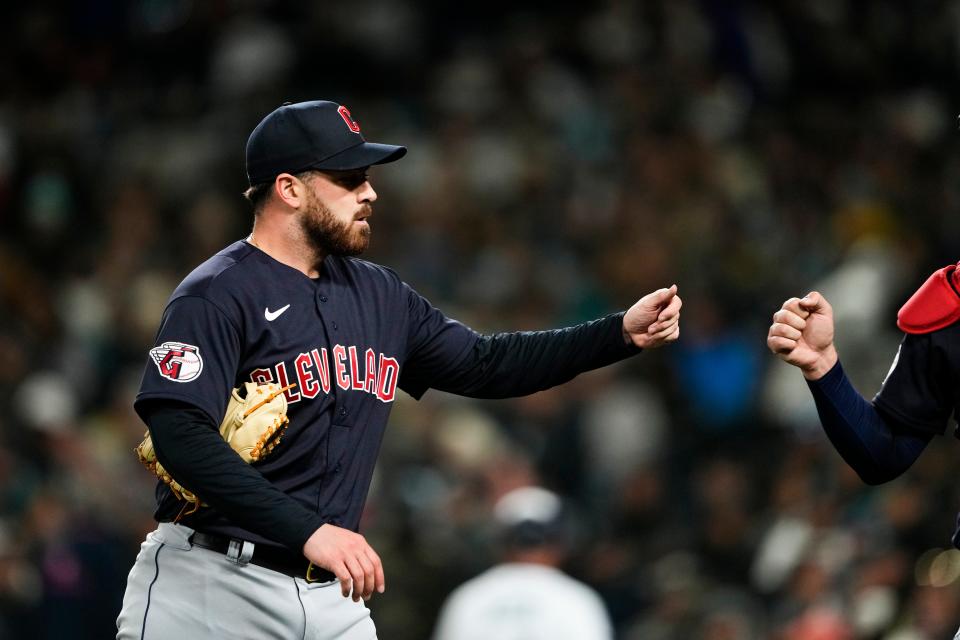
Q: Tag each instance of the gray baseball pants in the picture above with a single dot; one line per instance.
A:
(181, 591)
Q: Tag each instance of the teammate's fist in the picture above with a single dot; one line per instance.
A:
(348, 556)
(654, 320)
(802, 335)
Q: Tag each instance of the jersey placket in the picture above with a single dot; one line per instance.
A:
(331, 328)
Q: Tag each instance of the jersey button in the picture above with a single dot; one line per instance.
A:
(323, 298)
(343, 411)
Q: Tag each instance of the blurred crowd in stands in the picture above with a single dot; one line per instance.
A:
(565, 158)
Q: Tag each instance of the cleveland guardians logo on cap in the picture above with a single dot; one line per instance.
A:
(345, 114)
(177, 361)
(311, 135)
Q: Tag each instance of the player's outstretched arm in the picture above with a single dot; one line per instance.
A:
(877, 447)
(654, 320)
(348, 556)
(449, 356)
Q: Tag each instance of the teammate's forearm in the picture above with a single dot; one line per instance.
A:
(194, 453)
(519, 363)
(876, 447)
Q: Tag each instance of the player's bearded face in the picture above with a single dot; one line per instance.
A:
(330, 235)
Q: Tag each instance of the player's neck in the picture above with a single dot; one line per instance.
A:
(286, 249)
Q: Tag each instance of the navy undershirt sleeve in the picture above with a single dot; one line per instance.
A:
(449, 356)
(513, 364)
(875, 444)
(190, 447)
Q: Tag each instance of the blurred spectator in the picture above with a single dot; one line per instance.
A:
(526, 595)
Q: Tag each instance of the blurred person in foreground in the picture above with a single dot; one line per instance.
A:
(526, 596)
(880, 439)
(276, 552)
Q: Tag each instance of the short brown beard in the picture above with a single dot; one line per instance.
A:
(329, 236)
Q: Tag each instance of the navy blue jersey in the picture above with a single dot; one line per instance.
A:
(922, 389)
(348, 340)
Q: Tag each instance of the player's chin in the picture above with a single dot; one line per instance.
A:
(363, 235)
(360, 241)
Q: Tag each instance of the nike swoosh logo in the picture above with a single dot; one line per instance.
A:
(273, 315)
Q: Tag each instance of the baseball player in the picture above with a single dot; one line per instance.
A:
(275, 551)
(533, 541)
(881, 438)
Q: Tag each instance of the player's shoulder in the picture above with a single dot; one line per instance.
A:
(216, 274)
(935, 305)
(359, 269)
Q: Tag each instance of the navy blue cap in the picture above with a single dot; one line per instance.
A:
(311, 135)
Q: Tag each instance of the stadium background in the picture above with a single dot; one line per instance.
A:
(564, 159)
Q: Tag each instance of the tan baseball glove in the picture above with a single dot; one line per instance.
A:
(252, 426)
(254, 423)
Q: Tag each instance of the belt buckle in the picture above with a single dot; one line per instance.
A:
(310, 569)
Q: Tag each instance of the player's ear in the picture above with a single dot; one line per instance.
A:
(289, 189)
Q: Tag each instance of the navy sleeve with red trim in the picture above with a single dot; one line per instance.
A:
(194, 358)
(921, 388)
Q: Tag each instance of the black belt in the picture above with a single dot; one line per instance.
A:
(267, 556)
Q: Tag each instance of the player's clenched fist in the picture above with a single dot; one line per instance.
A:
(654, 320)
(802, 335)
(348, 556)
